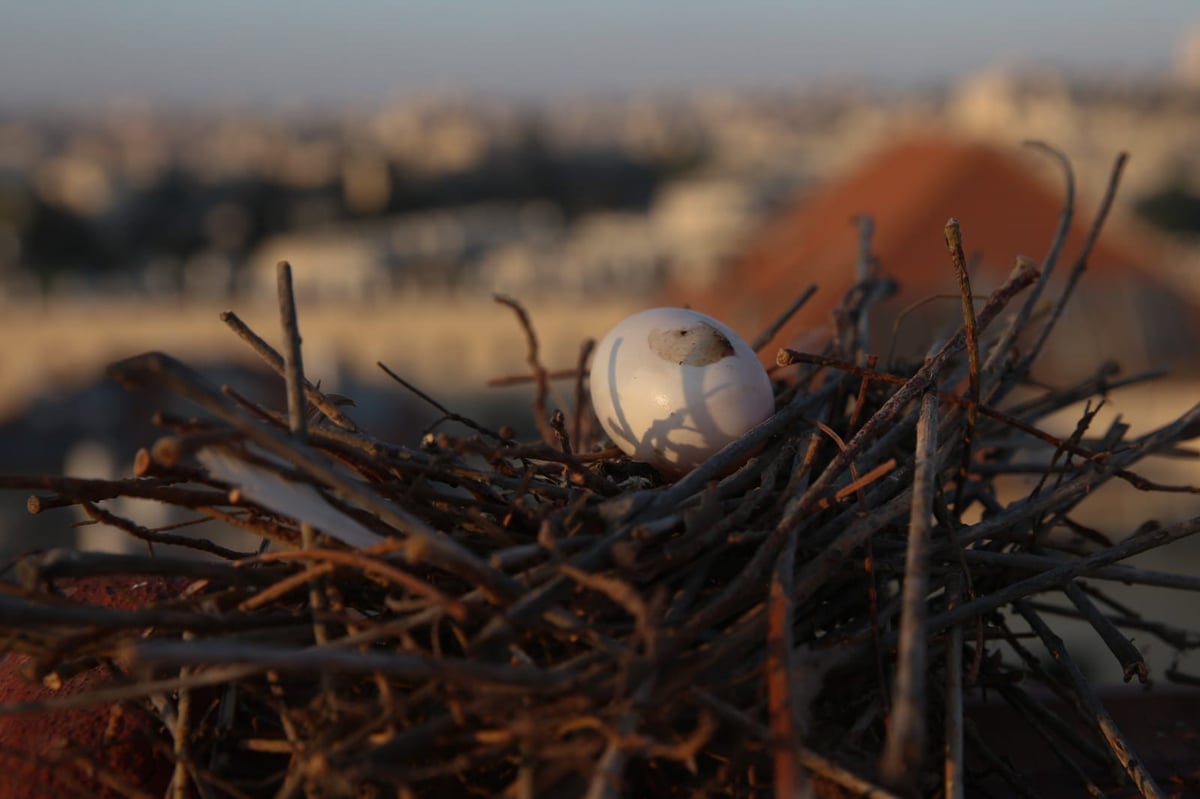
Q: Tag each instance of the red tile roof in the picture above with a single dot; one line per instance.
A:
(911, 189)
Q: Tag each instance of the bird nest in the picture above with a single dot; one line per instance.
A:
(485, 616)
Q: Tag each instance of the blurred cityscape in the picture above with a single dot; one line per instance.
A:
(462, 195)
(125, 227)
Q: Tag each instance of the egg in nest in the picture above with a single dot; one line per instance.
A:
(672, 386)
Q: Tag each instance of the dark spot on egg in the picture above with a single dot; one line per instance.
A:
(700, 344)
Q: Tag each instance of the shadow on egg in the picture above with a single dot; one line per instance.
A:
(668, 396)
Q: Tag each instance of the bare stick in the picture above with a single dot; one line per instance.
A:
(1175, 637)
(368, 565)
(535, 364)
(153, 537)
(75, 490)
(273, 359)
(1080, 265)
(181, 733)
(764, 338)
(1122, 574)
(293, 375)
(447, 414)
(952, 772)
(1127, 654)
(1051, 578)
(1060, 235)
(959, 260)
(213, 652)
(905, 746)
(1091, 706)
(862, 271)
(63, 562)
(789, 780)
(293, 364)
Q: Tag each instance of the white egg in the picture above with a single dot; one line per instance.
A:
(673, 386)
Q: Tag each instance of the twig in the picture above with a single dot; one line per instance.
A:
(20, 612)
(367, 566)
(863, 268)
(181, 733)
(1052, 578)
(447, 415)
(1080, 265)
(1060, 235)
(1091, 706)
(959, 260)
(61, 562)
(764, 338)
(151, 537)
(535, 365)
(1127, 655)
(789, 780)
(211, 652)
(558, 425)
(273, 359)
(1025, 561)
(293, 364)
(953, 774)
(293, 376)
(1173, 636)
(905, 747)
(74, 490)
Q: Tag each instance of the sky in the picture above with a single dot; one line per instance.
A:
(355, 50)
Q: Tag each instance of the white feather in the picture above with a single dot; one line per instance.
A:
(294, 500)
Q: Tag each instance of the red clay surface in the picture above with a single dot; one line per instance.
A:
(84, 752)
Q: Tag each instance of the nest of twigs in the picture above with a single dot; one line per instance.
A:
(551, 619)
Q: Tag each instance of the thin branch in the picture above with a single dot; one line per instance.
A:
(1091, 706)
(447, 415)
(904, 749)
(959, 260)
(764, 338)
(1131, 660)
(539, 372)
(325, 404)
(953, 773)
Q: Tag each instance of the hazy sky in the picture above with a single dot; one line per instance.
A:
(363, 49)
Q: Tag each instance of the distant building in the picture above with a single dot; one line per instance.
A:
(326, 265)
(1187, 65)
(1125, 309)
